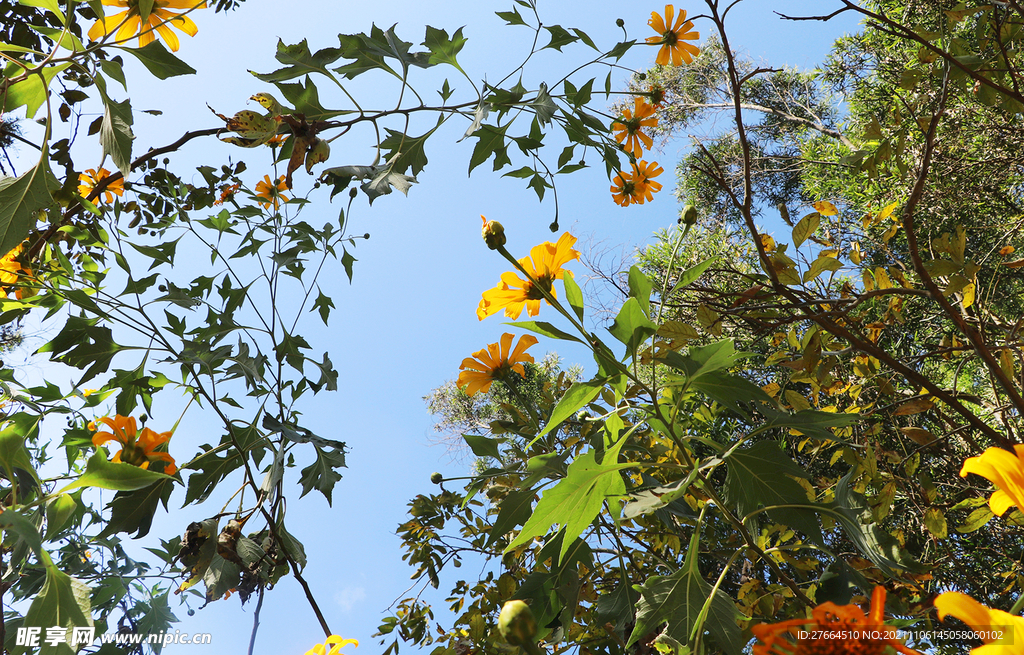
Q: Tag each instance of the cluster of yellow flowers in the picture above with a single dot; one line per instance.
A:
(637, 186)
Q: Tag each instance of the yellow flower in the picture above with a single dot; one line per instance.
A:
(129, 23)
(137, 449)
(672, 38)
(335, 642)
(1006, 471)
(624, 191)
(645, 186)
(544, 266)
(90, 178)
(983, 620)
(494, 363)
(13, 272)
(629, 128)
(271, 191)
(836, 621)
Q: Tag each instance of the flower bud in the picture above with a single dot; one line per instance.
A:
(516, 623)
(493, 233)
(436, 478)
(689, 215)
(317, 153)
(620, 22)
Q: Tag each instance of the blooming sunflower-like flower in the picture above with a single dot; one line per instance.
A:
(88, 181)
(271, 191)
(629, 128)
(1006, 471)
(13, 271)
(136, 449)
(544, 266)
(335, 643)
(985, 622)
(494, 362)
(840, 624)
(672, 37)
(646, 187)
(128, 23)
(624, 190)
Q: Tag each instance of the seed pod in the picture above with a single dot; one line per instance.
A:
(516, 623)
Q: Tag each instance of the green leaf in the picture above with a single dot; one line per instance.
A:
(578, 395)
(544, 105)
(651, 500)
(690, 275)
(30, 92)
(707, 359)
(133, 511)
(104, 474)
(632, 327)
(483, 446)
(50, 5)
(491, 141)
(321, 474)
(64, 602)
(559, 37)
(66, 40)
(306, 99)
(733, 391)
(58, 512)
(403, 152)
(941, 267)
(677, 600)
(116, 134)
(759, 475)
(22, 199)
(443, 48)
(820, 265)
(546, 329)
(161, 63)
(81, 343)
(810, 422)
(11, 520)
(515, 510)
(854, 513)
(13, 454)
(616, 607)
(511, 17)
(575, 501)
(573, 294)
(805, 227)
(976, 520)
(299, 61)
(324, 305)
(640, 288)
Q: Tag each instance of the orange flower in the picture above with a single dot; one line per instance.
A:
(657, 95)
(544, 266)
(1006, 471)
(984, 621)
(624, 190)
(672, 38)
(90, 178)
(629, 128)
(1006, 250)
(271, 191)
(136, 450)
(129, 23)
(645, 186)
(840, 625)
(227, 192)
(494, 363)
(13, 272)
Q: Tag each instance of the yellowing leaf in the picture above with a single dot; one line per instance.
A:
(935, 521)
(855, 255)
(882, 278)
(768, 242)
(919, 435)
(887, 211)
(805, 228)
(825, 208)
(915, 406)
(820, 265)
(709, 318)
(968, 295)
(796, 401)
(1006, 362)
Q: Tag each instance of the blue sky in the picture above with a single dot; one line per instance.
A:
(408, 318)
